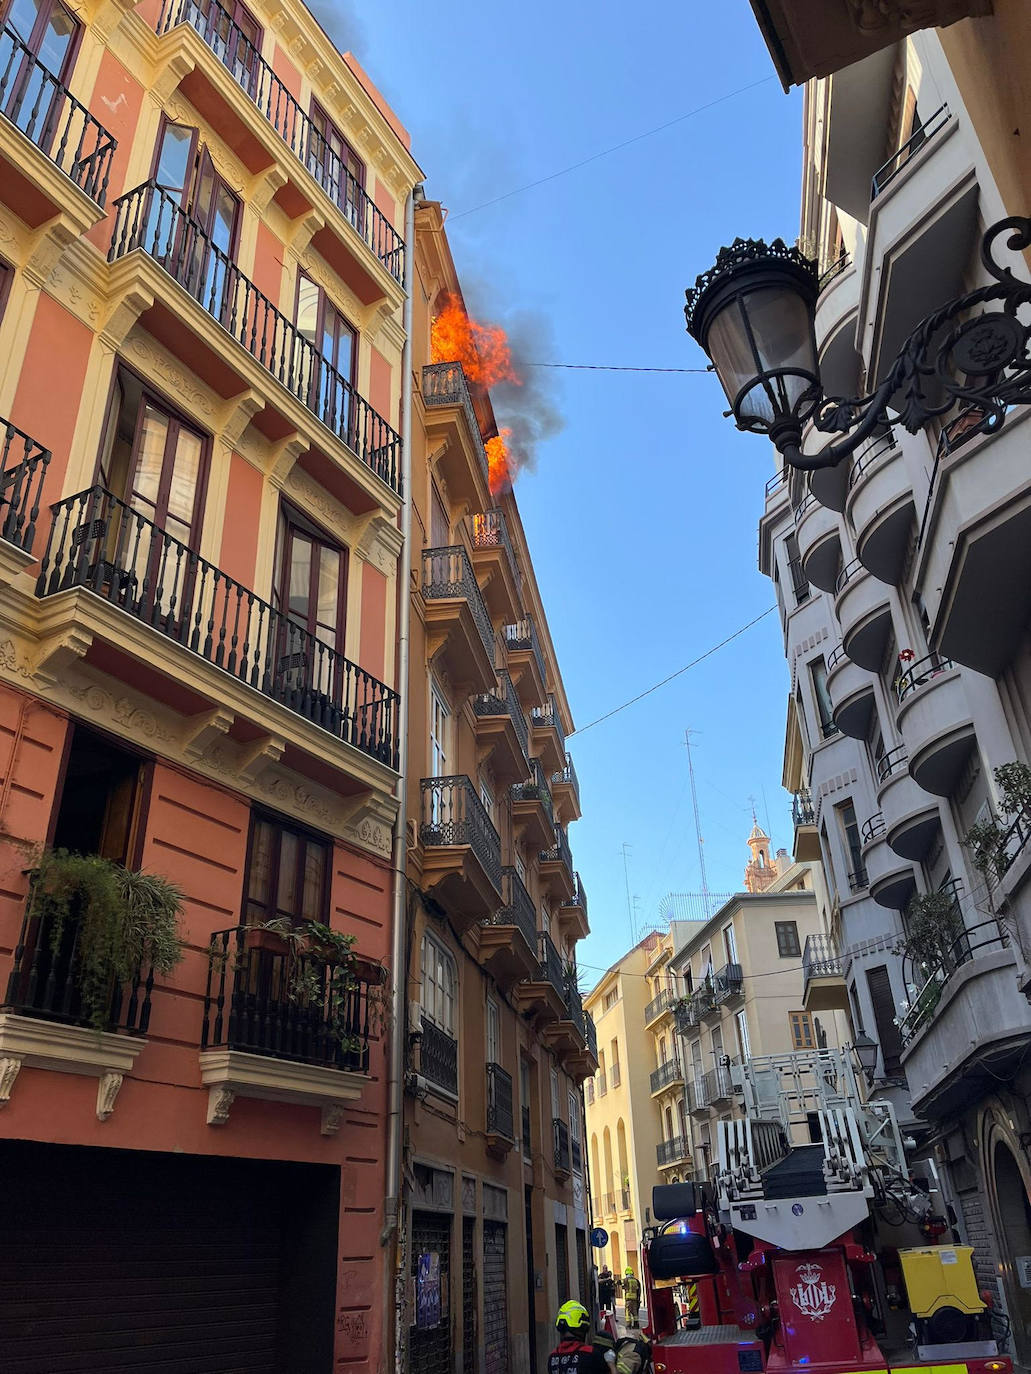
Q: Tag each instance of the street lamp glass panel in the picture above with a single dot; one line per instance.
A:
(866, 1052)
(730, 348)
(764, 352)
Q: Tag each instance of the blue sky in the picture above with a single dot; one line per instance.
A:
(642, 511)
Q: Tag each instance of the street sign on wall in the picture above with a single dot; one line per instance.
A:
(599, 1238)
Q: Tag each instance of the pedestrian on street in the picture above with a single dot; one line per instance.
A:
(606, 1289)
(632, 1297)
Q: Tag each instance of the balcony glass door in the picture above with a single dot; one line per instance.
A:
(233, 35)
(337, 167)
(310, 594)
(38, 40)
(328, 368)
(196, 245)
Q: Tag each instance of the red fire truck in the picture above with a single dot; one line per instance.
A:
(803, 1247)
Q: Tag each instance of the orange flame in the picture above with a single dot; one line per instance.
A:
(482, 349)
(499, 467)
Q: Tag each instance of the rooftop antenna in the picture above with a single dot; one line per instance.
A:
(629, 904)
(697, 824)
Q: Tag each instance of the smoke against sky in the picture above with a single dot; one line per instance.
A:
(340, 21)
(530, 411)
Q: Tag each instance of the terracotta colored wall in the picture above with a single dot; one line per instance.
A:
(267, 273)
(116, 102)
(372, 642)
(286, 71)
(240, 530)
(58, 347)
(379, 382)
(385, 202)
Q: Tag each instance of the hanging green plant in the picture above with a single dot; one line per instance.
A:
(933, 925)
(123, 923)
(986, 839)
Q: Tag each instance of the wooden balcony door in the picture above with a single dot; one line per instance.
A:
(50, 32)
(199, 247)
(309, 592)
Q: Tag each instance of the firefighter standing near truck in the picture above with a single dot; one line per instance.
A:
(580, 1352)
(632, 1297)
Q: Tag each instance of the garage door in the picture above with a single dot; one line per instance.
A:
(118, 1262)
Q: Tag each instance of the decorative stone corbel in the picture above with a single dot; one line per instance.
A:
(332, 1118)
(132, 303)
(203, 730)
(380, 542)
(305, 227)
(57, 655)
(171, 74)
(107, 1092)
(10, 1067)
(220, 1103)
(262, 754)
(108, 16)
(378, 316)
(238, 415)
(48, 243)
(284, 455)
(267, 187)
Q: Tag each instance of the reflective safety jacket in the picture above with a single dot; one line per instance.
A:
(597, 1356)
(632, 1290)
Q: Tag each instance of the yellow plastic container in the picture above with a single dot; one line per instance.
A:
(940, 1276)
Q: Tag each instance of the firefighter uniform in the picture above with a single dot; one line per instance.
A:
(578, 1352)
(632, 1297)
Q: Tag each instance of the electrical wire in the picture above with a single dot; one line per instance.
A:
(680, 671)
(616, 147)
(614, 367)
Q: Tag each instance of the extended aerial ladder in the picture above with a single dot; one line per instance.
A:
(785, 1250)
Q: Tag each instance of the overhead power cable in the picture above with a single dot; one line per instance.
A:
(679, 673)
(616, 147)
(612, 367)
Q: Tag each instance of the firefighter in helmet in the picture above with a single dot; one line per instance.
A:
(632, 1297)
(581, 1352)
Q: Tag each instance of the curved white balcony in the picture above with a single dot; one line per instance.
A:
(934, 722)
(891, 880)
(851, 692)
(861, 605)
(911, 817)
(880, 506)
(819, 542)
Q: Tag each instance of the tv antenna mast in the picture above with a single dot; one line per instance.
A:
(706, 903)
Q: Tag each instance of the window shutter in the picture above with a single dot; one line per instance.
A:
(884, 1018)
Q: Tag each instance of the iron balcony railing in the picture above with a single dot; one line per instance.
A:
(591, 1032)
(799, 582)
(518, 909)
(602, 1082)
(870, 455)
(559, 852)
(46, 976)
(576, 1155)
(438, 1057)
(49, 116)
(802, 811)
(579, 897)
(523, 636)
(490, 531)
(307, 143)
(658, 1005)
(820, 959)
(672, 1151)
(608, 1204)
(452, 814)
(615, 1076)
(567, 774)
(504, 701)
(535, 789)
(624, 1199)
(500, 1115)
(574, 1006)
(857, 879)
(778, 480)
(23, 466)
(665, 1074)
(527, 1137)
(923, 670)
(561, 1143)
(548, 718)
(837, 655)
(1009, 847)
(105, 546)
(973, 942)
(447, 574)
(284, 1003)
(807, 503)
(717, 1084)
(444, 384)
(589, 1091)
(966, 424)
(551, 964)
(727, 982)
(152, 220)
(898, 160)
(840, 264)
(894, 761)
(851, 570)
(872, 829)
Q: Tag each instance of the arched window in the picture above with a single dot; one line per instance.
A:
(439, 985)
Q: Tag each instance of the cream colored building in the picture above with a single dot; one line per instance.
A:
(740, 981)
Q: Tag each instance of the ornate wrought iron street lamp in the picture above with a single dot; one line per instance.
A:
(754, 313)
(865, 1051)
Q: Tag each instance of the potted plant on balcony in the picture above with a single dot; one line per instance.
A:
(107, 921)
(986, 837)
(933, 925)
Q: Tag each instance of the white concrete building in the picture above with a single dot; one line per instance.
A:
(903, 578)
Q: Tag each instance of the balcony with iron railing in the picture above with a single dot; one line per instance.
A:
(317, 176)
(451, 417)
(823, 981)
(890, 169)
(673, 1151)
(615, 1076)
(526, 661)
(591, 1032)
(567, 1037)
(501, 725)
(802, 809)
(438, 1057)
(495, 561)
(727, 983)
(524, 1113)
(666, 1075)
(533, 810)
(265, 997)
(572, 914)
(601, 1083)
(543, 994)
(549, 738)
(561, 1156)
(566, 790)
(659, 1006)
(556, 866)
(23, 465)
(461, 849)
(500, 1112)
(508, 938)
(102, 546)
(43, 127)
(293, 377)
(457, 622)
(576, 1155)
